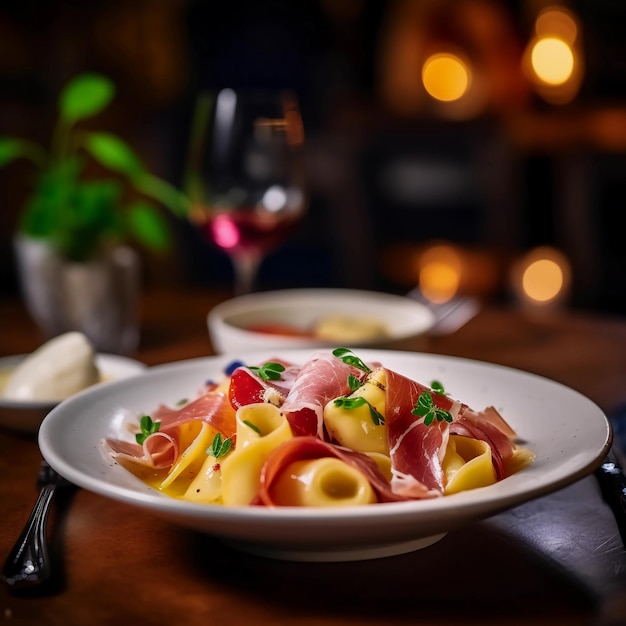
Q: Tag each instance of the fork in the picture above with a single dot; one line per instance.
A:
(28, 563)
(449, 315)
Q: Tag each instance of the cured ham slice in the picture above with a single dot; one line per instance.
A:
(321, 379)
(485, 426)
(162, 448)
(212, 407)
(158, 451)
(310, 447)
(416, 449)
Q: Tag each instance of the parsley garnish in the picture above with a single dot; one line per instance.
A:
(425, 407)
(220, 446)
(148, 427)
(349, 358)
(269, 371)
(254, 427)
(437, 386)
(353, 382)
(354, 403)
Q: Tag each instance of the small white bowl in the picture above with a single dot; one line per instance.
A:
(231, 322)
(26, 415)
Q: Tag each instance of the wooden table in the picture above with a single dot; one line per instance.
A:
(122, 565)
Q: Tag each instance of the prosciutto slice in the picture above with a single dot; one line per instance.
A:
(158, 451)
(310, 447)
(416, 450)
(212, 407)
(162, 448)
(321, 379)
(486, 427)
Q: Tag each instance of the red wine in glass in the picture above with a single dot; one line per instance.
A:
(245, 176)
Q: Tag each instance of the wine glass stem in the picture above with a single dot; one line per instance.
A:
(246, 270)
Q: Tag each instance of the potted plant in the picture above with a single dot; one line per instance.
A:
(91, 197)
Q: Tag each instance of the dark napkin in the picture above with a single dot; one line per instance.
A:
(572, 530)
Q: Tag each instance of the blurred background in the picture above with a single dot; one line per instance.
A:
(449, 144)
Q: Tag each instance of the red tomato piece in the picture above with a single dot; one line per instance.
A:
(244, 389)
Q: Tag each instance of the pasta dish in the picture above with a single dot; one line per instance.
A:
(332, 431)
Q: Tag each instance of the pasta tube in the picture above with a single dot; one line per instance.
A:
(467, 464)
(322, 482)
(354, 428)
(206, 487)
(260, 428)
(195, 438)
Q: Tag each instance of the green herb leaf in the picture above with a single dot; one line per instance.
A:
(435, 385)
(114, 153)
(254, 427)
(269, 371)
(354, 403)
(12, 149)
(349, 358)
(349, 403)
(148, 427)
(85, 96)
(377, 418)
(353, 382)
(426, 408)
(148, 226)
(220, 447)
(161, 191)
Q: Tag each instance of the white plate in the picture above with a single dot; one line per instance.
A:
(26, 415)
(569, 434)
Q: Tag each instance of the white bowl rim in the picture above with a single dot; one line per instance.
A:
(263, 301)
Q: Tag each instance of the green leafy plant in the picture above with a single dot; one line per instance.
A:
(78, 214)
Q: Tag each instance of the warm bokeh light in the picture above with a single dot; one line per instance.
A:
(446, 77)
(558, 22)
(552, 60)
(542, 280)
(439, 273)
(542, 276)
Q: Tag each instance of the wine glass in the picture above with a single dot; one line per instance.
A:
(245, 175)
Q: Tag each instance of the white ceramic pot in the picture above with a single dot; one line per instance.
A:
(98, 298)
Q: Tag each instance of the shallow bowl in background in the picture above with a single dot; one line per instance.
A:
(232, 323)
